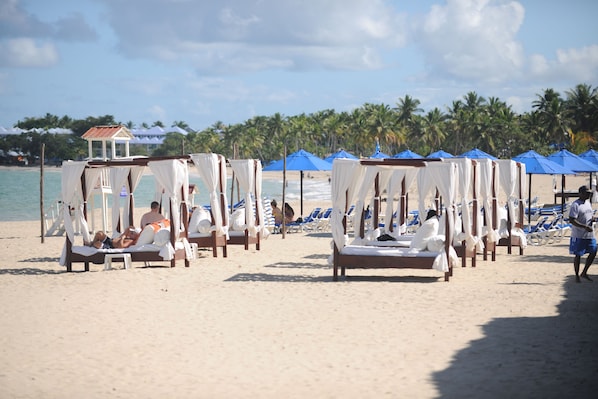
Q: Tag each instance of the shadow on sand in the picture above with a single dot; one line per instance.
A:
(544, 357)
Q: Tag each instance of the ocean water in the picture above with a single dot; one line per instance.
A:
(20, 191)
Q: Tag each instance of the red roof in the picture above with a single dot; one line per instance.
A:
(107, 132)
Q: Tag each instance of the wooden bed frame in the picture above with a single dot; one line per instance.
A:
(349, 261)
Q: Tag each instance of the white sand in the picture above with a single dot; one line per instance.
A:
(272, 324)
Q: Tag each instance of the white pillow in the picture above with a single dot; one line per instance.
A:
(204, 226)
(146, 236)
(237, 222)
(162, 237)
(427, 230)
(436, 243)
(199, 214)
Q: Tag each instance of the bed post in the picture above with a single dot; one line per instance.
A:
(447, 245)
(185, 218)
(131, 202)
(494, 207)
(521, 207)
(375, 216)
(69, 249)
(403, 207)
(223, 210)
(257, 209)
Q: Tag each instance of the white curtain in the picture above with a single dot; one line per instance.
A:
(243, 169)
(488, 175)
(346, 176)
(172, 175)
(118, 179)
(508, 182)
(365, 185)
(259, 203)
(394, 185)
(425, 185)
(212, 173)
(72, 196)
(465, 177)
(136, 174)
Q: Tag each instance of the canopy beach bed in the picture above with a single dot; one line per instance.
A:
(352, 180)
(212, 170)
(79, 179)
(247, 223)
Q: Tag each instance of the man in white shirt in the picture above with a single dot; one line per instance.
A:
(152, 216)
(582, 233)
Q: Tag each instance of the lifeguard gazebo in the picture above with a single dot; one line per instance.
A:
(113, 134)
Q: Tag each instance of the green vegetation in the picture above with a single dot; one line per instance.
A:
(473, 121)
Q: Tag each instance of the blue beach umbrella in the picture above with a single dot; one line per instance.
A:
(300, 161)
(572, 161)
(590, 155)
(540, 165)
(339, 154)
(407, 154)
(440, 154)
(476, 153)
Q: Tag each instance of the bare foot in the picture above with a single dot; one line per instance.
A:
(586, 277)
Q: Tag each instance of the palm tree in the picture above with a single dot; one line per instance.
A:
(432, 129)
(582, 107)
(553, 118)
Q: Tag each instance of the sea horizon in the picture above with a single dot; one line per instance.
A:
(20, 196)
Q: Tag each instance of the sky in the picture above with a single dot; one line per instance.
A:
(208, 61)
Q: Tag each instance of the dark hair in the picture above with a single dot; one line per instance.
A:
(155, 205)
(273, 203)
(431, 214)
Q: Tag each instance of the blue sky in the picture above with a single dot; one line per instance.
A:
(203, 61)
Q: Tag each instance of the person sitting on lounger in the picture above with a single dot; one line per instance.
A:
(276, 212)
(289, 213)
(125, 240)
(152, 216)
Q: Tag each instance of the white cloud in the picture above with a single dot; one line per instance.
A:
(569, 65)
(25, 52)
(239, 36)
(472, 39)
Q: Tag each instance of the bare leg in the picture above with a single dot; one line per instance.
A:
(589, 261)
(576, 262)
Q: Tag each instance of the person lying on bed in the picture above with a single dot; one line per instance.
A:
(125, 240)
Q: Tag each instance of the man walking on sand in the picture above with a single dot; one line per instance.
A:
(582, 234)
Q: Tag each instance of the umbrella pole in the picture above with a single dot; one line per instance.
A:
(529, 202)
(563, 194)
(284, 184)
(301, 192)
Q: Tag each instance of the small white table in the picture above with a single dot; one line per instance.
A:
(108, 258)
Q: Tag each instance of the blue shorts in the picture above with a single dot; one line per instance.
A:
(582, 246)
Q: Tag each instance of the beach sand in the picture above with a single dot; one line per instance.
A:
(272, 324)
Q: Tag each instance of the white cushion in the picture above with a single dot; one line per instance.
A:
(162, 237)
(204, 226)
(146, 236)
(199, 215)
(427, 230)
(436, 243)
(237, 221)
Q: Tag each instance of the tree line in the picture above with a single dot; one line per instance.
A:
(556, 120)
